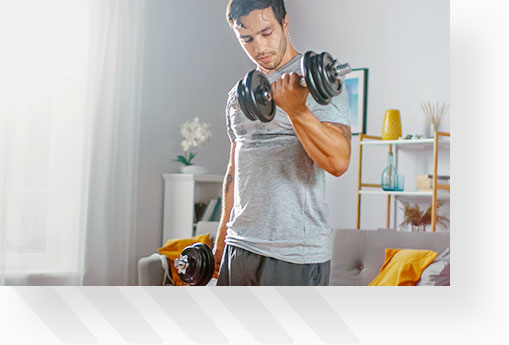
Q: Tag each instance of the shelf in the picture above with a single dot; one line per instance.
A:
(442, 141)
(398, 142)
(191, 177)
(403, 193)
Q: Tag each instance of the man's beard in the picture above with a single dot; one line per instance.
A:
(274, 65)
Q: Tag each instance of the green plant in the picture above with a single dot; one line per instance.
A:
(195, 134)
(185, 159)
(414, 216)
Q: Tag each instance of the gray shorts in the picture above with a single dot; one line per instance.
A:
(242, 267)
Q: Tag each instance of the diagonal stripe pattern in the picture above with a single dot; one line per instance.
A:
(318, 314)
(121, 314)
(181, 307)
(253, 315)
(54, 312)
(260, 314)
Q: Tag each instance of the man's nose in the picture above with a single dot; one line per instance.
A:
(260, 46)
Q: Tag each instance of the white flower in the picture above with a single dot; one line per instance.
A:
(195, 134)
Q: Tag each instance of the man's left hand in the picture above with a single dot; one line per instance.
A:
(289, 95)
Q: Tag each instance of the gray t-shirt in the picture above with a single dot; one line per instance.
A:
(279, 205)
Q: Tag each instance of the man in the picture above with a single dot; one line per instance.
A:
(274, 226)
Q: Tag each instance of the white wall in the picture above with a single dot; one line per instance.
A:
(405, 45)
(192, 59)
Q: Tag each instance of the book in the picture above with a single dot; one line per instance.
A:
(208, 211)
(425, 182)
(217, 211)
(199, 208)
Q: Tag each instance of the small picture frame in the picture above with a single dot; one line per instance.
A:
(356, 84)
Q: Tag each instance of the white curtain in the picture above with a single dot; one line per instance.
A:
(69, 116)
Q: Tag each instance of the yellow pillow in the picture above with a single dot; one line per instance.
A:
(403, 267)
(173, 248)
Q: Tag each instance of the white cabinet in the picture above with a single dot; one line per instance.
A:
(181, 192)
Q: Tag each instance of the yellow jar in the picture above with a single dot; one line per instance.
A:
(391, 129)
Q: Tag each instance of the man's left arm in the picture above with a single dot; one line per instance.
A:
(327, 144)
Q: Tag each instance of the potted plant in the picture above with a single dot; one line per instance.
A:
(195, 135)
(418, 219)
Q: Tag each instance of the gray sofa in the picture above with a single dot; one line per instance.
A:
(357, 254)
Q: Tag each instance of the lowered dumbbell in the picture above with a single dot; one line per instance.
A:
(321, 74)
(195, 265)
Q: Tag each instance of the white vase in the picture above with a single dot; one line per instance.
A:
(193, 169)
(431, 131)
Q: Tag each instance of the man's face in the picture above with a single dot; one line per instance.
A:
(264, 40)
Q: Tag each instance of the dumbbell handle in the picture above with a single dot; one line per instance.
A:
(341, 71)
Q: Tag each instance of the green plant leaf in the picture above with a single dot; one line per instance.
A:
(181, 159)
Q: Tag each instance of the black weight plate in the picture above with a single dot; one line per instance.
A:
(306, 71)
(207, 260)
(241, 100)
(250, 107)
(269, 104)
(203, 267)
(193, 270)
(321, 79)
(328, 74)
(256, 84)
(317, 77)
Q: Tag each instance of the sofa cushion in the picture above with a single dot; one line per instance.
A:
(403, 267)
(438, 273)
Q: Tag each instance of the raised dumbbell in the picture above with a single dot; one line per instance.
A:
(195, 266)
(321, 74)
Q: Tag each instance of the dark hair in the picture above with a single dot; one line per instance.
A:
(239, 8)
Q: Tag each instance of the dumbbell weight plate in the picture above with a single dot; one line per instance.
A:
(257, 88)
(308, 65)
(241, 99)
(201, 264)
(191, 273)
(208, 263)
(319, 77)
(327, 72)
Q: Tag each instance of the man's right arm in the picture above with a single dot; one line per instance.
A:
(226, 210)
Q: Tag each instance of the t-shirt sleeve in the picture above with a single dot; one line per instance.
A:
(336, 111)
(229, 104)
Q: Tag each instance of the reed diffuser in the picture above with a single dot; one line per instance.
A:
(434, 114)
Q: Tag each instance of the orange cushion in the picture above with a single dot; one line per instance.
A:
(403, 267)
(173, 248)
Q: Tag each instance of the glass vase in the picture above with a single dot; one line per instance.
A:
(389, 175)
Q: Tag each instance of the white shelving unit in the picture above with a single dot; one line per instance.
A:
(181, 192)
(440, 141)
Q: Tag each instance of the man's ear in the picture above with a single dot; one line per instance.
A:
(286, 23)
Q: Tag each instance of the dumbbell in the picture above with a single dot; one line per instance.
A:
(195, 266)
(321, 74)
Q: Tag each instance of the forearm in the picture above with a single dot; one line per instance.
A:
(327, 145)
(227, 205)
